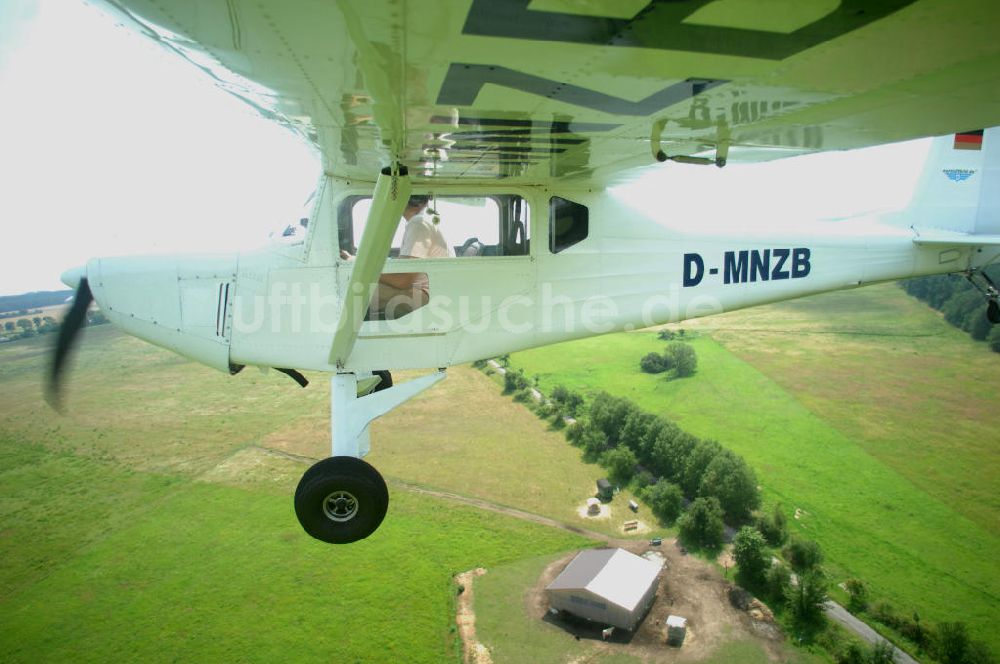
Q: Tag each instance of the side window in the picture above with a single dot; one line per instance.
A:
(470, 226)
(568, 223)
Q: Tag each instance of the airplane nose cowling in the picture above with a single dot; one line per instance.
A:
(72, 276)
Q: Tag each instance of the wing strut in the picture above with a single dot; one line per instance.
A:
(392, 190)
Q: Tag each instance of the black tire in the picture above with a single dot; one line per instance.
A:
(993, 312)
(386, 381)
(341, 499)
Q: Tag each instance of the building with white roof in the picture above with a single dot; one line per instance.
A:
(606, 586)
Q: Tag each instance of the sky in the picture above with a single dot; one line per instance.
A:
(109, 145)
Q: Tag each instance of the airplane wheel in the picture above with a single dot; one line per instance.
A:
(341, 499)
(386, 382)
(993, 312)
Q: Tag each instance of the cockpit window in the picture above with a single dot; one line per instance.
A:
(472, 225)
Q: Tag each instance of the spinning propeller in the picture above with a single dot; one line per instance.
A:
(74, 320)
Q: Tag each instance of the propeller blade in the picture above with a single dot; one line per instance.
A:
(72, 323)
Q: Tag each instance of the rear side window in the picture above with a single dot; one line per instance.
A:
(568, 222)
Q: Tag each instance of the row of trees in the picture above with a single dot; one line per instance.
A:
(961, 303)
(668, 465)
(24, 328)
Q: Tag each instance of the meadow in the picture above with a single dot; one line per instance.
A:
(150, 524)
(862, 410)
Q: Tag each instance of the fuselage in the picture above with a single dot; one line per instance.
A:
(621, 270)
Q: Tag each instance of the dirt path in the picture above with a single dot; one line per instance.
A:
(473, 652)
(500, 509)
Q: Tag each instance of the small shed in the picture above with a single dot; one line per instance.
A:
(676, 630)
(604, 489)
(606, 586)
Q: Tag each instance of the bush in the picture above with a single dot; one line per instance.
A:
(665, 500)
(803, 555)
(524, 395)
(774, 528)
(514, 381)
(569, 402)
(479, 364)
(701, 525)
(752, 556)
(858, 591)
(653, 363)
(777, 581)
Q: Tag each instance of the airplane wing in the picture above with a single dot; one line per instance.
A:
(535, 90)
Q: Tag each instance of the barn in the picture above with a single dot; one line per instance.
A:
(606, 586)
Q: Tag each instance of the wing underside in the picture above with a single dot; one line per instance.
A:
(536, 90)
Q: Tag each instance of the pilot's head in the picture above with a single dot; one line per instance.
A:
(415, 205)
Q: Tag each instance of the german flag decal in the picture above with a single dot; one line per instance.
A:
(969, 140)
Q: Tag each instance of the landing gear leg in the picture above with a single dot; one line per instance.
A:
(985, 285)
(343, 499)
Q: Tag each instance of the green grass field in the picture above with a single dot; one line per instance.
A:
(864, 410)
(148, 526)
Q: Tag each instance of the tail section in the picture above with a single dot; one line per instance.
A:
(959, 189)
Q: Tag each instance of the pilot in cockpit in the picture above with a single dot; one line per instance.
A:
(400, 293)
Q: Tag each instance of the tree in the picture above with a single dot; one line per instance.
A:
(858, 591)
(774, 528)
(803, 555)
(9, 326)
(27, 329)
(665, 499)
(696, 463)
(751, 554)
(684, 359)
(777, 581)
(636, 426)
(653, 363)
(805, 600)
(670, 453)
(620, 463)
(701, 525)
(37, 321)
(733, 482)
(609, 413)
(593, 442)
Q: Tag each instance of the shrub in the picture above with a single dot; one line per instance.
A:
(858, 591)
(774, 528)
(514, 381)
(653, 363)
(777, 581)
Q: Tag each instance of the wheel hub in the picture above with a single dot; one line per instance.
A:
(340, 506)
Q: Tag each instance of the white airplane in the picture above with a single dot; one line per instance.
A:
(514, 117)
